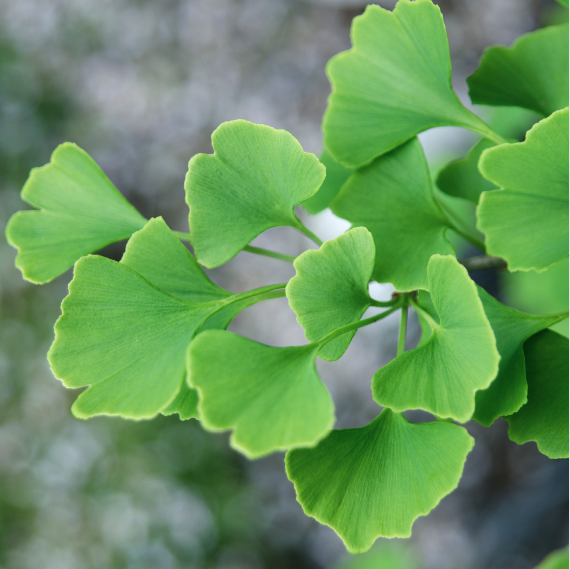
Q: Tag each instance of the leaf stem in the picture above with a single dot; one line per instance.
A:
(303, 229)
(269, 253)
(356, 325)
(482, 262)
(383, 303)
(403, 329)
(182, 236)
(253, 292)
(427, 317)
(481, 127)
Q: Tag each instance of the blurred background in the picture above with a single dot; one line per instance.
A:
(140, 85)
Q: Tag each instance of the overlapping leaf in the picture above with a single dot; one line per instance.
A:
(460, 357)
(532, 73)
(557, 559)
(376, 480)
(544, 418)
(394, 83)
(252, 182)
(330, 289)
(393, 198)
(79, 212)
(526, 222)
(271, 397)
(337, 175)
(123, 337)
(185, 403)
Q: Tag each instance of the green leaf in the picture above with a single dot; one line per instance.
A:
(508, 392)
(330, 289)
(185, 403)
(544, 418)
(271, 397)
(393, 198)
(460, 356)
(564, 3)
(393, 84)
(462, 178)
(376, 480)
(526, 222)
(337, 175)
(80, 211)
(533, 73)
(252, 182)
(557, 559)
(123, 337)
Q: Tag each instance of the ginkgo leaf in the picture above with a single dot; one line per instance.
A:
(185, 404)
(271, 397)
(330, 288)
(460, 357)
(393, 198)
(80, 211)
(557, 559)
(252, 182)
(532, 73)
(123, 337)
(337, 175)
(462, 178)
(544, 418)
(376, 480)
(526, 222)
(508, 392)
(394, 83)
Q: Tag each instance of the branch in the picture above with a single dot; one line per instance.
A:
(483, 262)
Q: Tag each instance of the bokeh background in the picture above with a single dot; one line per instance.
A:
(140, 85)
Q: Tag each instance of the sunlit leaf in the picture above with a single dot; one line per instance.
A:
(462, 178)
(460, 357)
(557, 559)
(376, 480)
(393, 198)
(533, 73)
(386, 556)
(526, 222)
(337, 175)
(508, 392)
(271, 397)
(394, 83)
(252, 182)
(185, 404)
(123, 337)
(544, 418)
(79, 211)
(330, 289)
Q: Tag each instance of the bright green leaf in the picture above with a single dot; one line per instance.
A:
(460, 357)
(564, 3)
(376, 480)
(252, 182)
(393, 198)
(533, 73)
(394, 83)
(185, 404)
(508, 392)
(124, 338)
(557, 559)
(385, 556)
(544, 418)
(330, 289)
(337, 175)
(462, 178)
(271, 397)
(526, 222)
(80, 211)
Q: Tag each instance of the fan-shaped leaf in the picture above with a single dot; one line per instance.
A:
(508, 392)
(544, 418)
(376, 480)
(185, 403)
(271, 397)
(80, 211)
(252, 182)
(393, 198)
(394, 83)
(532, 73)
(330, 289)
(337, 175)
(124, 338)
(460, 357)
(526, 222)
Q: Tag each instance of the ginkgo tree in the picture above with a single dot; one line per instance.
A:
(147, 335)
